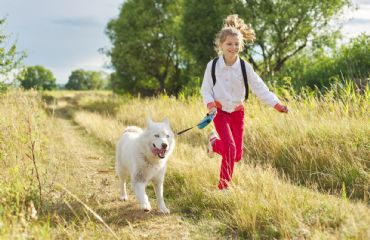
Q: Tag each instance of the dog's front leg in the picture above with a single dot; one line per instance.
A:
(123, 191)
(141, 196)
(158, 189)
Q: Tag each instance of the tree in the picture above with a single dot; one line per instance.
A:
(37, 77)
(283, 27)
(201, 22)
(86, 80)
(77, 80)
(146, 52)
(98, 80)
(10, 59)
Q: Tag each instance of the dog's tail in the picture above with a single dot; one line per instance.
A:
(133, 129)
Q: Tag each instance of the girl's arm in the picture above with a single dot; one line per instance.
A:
(206, 89)
(260, 89)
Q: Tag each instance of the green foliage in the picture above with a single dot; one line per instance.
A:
(37, 77)
(167, 47)
(317, 69)
(283, 28)
(86, 80)
(354, 58)
(146, 53)
(3, 87)
(10, 59)
(201, 22)
(191, 89)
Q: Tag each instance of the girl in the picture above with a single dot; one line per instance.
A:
(226, 96)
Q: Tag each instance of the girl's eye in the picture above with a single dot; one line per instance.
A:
(157, 135)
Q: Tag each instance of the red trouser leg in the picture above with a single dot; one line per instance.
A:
(237, 129)
(229, 127)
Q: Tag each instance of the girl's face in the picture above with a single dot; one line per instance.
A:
(231, 46)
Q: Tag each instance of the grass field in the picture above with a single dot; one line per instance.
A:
(304, 175)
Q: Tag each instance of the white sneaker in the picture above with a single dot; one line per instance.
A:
(212, 138)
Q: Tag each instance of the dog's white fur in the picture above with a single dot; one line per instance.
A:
(142, 155)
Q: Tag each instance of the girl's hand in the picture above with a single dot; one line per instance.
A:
(212, 110)
(281, 108)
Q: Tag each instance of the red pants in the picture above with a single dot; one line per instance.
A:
(230, 129)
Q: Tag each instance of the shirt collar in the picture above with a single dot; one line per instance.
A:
(223, 64)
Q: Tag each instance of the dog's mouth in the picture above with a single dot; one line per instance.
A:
(160, 152)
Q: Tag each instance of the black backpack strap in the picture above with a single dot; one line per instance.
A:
(213, 72)
(244, 72)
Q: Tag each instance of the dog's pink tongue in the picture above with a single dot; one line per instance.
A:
(156, 151)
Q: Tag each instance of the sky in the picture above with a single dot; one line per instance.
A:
(66, 35)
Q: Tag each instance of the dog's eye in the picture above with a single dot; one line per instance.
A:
(156, 135)
(167, 136)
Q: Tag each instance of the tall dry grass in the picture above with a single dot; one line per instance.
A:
(33, 157)
(22, 143)
(322, 145)
(279, 190)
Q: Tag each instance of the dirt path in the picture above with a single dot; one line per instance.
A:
(86, 169)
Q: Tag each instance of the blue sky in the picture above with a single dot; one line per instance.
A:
(65, 35)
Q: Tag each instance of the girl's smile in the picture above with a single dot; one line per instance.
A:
(230, 48)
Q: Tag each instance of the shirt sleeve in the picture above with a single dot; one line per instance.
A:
(259, 88)
(206, 89)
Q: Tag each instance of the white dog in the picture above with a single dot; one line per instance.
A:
(142, 155)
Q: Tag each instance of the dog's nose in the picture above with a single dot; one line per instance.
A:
(164, 145)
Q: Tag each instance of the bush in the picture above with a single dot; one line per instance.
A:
(318, 69)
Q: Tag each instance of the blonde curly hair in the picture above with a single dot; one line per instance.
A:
(234, 26)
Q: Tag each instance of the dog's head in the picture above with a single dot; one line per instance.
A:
(160, 138)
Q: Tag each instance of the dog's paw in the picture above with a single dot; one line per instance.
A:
(164, 210)
(123, 198)
(146, 207)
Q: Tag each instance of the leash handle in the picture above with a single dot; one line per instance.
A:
(206, 120)
(202, 124)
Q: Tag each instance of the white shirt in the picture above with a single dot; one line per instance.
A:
(229, 89)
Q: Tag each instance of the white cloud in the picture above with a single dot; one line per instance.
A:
(77, 21)
(358, 20)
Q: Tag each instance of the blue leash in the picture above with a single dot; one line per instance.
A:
(202, 124)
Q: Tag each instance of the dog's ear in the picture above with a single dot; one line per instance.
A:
(149, 122)
(166, 121)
